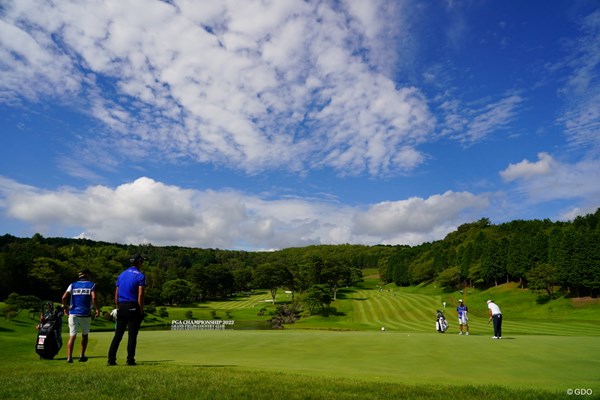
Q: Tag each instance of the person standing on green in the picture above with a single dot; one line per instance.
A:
(77, 301)
(496, 318)
(129, 298)
(463, 318)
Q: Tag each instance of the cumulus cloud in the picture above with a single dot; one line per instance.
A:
(416, 215)
(147, 211)
(249, 85)
(548, 179)
(526, 169)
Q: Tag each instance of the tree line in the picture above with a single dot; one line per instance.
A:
(540, 254)
(44, 267)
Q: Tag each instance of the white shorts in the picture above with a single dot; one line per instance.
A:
(464, 320)
(75, 322)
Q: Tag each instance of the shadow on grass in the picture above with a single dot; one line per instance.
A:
(546, 298)
(75, 358)
(331, 312)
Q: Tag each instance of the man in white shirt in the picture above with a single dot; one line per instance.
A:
(496, 317)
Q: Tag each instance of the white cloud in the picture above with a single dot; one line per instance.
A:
(579, 212)
(416, 215)
(582, 121)
(250, 85)
(548, 179)
(581, 117)
(31, 67)
(471, 123)
(526, 169)
(585, 57)
(146, 211)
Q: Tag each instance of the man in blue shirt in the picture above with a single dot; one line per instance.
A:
(129, 298)
(82, 295)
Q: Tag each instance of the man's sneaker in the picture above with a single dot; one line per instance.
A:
(111, 363)
(83, 359)
(131, 363)
(494, 337)
(467, 333)
(70, 360)
(459, 333)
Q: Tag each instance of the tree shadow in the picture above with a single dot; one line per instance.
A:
(546, 298)
(332, 311)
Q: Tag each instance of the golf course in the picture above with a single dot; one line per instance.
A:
(548, 350)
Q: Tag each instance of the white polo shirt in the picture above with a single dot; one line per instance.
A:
(494, 308)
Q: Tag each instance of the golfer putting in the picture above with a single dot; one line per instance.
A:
(496, 318)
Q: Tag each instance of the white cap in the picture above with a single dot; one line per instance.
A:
(460, 300)
(490, 301)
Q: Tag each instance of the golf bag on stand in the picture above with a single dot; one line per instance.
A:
(49, 338)
(441, 325)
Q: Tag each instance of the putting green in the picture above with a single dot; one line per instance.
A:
(529, 361)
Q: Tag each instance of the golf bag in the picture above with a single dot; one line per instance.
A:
(441, 325)
(49, 338)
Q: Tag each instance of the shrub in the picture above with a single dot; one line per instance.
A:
(163, 313)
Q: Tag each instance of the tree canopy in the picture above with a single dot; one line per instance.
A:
(476, 254)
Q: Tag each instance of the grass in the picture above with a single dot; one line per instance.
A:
(344, 356)
(176, 382)
(367, 307)
(386, 356)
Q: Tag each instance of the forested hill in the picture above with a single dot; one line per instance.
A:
(542, 255)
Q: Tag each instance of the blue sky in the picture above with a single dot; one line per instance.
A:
(262, 125)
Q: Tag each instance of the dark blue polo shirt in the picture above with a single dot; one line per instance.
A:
(128, 283)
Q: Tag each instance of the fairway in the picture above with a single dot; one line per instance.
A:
(401, 309)
(545, 362)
